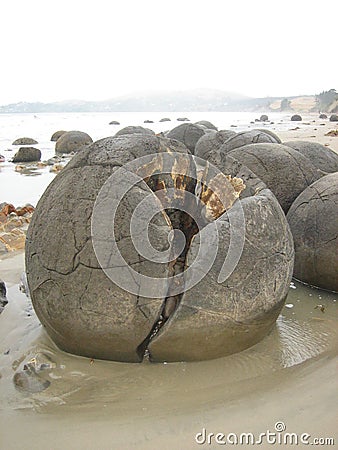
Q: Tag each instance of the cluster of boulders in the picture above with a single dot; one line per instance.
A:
(13, 226)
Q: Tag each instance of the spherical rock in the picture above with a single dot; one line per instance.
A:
(322, 116)
(321, 156)
(55, 136)
(313, 219)
(296, 118)
(132, 129)
(188, 134)
(72, 141)
(27, 154)
(165, 119)
(263, 118)
(249, 137)
(334, 118)
(114, 122)
(206, 124)
(208, 146)
(86, 313)
(284, 170)
(25, 141)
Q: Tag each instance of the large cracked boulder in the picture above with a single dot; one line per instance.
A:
(284, 170)
(249, 137)
(72, 141)
(322, 157)
(27, 154)
(93, 305)
(206, 124)
(208, 146)
(188, 134)
(313, 219)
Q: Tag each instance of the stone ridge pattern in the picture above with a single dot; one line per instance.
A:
(85, 313)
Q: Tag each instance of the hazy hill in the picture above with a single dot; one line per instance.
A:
(188, 100)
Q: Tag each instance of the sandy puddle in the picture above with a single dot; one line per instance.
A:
(289, 377)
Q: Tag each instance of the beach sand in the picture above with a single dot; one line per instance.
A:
(288, 377)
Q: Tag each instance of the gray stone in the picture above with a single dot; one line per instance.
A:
(208, 146)
(248, 137)
(27, 154)
(188, 134)
(72, 141)
(284, 170)
(114, 122)
(207, 124)
(334, 118)
(131, 129)
(322, 116)
(55, 136)
(321, 156)
(296, 118)
(263, 118)
(25, 141)
(3, 293)
(313, 219)
(165, 119)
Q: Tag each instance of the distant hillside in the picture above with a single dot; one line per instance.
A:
(189, 100)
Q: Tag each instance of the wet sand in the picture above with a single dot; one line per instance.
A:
(289, 376)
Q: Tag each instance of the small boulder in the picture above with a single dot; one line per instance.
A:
(3, 299)
(263, 118)
(25, 141)
(334, 118)
(165, 119)
(188, 134)
(183, 119)
(114, 122)
(27, 154)
(322, 116)
(132, 129)
(207, 124)
(72, 141)
(296, 118)
(313, 222)
(57, 135)
(148, 121)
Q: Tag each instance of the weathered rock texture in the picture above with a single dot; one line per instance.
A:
(249, 137)
(208, 146)
(87, 314)
(72, 141)
(131, 129)
(27, 154)
(55, 136)
(188, 134)
(313, 218)
(24, 141)
(322, 157)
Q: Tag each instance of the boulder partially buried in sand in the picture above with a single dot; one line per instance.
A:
(313, 219)
(249, 137)
(55, 136)
(284, 170)
(27, 154)
(25, 141)
(75, 291)
(133, 129)
(72, 141)
(321, 156)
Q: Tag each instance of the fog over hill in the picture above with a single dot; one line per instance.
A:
(187, 100)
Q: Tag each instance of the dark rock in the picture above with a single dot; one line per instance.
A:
(263, 118)
(165, 119)
(148, 121)
(25, 141)
(72, 141)
(183, 119)
(206, 124)
(57, 135)
(249, 137)
(321, 156)
(208, 146)
(334, 118)
(284, 170)
(114, 122)
(132, 129)
(3, 293)
(188, 134)
(322, 116)
(313, 222)
(296, 118)
(65, 276)
(27, 154)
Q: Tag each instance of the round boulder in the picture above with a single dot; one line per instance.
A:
(188, 134)
(206, 124)
(57, 135)
(165, 119)
(334, 118)
(114, 122)
(296, 118)
(313, 219)
(133, 129)
(322, 116)
(263, 118)
(249, 137)
(25, 141)
(88, 314)
(322, 157)
(208, 146)
(27, 154)
(284, 170)
(72, 141)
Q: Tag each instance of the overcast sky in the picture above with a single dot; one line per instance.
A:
(95, 50)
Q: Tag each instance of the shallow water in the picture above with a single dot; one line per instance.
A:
(146, 402)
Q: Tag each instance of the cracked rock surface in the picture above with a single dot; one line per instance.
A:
(285, 171)
(322, 157)
(86, 313)
(313, 219)
(255, 136)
